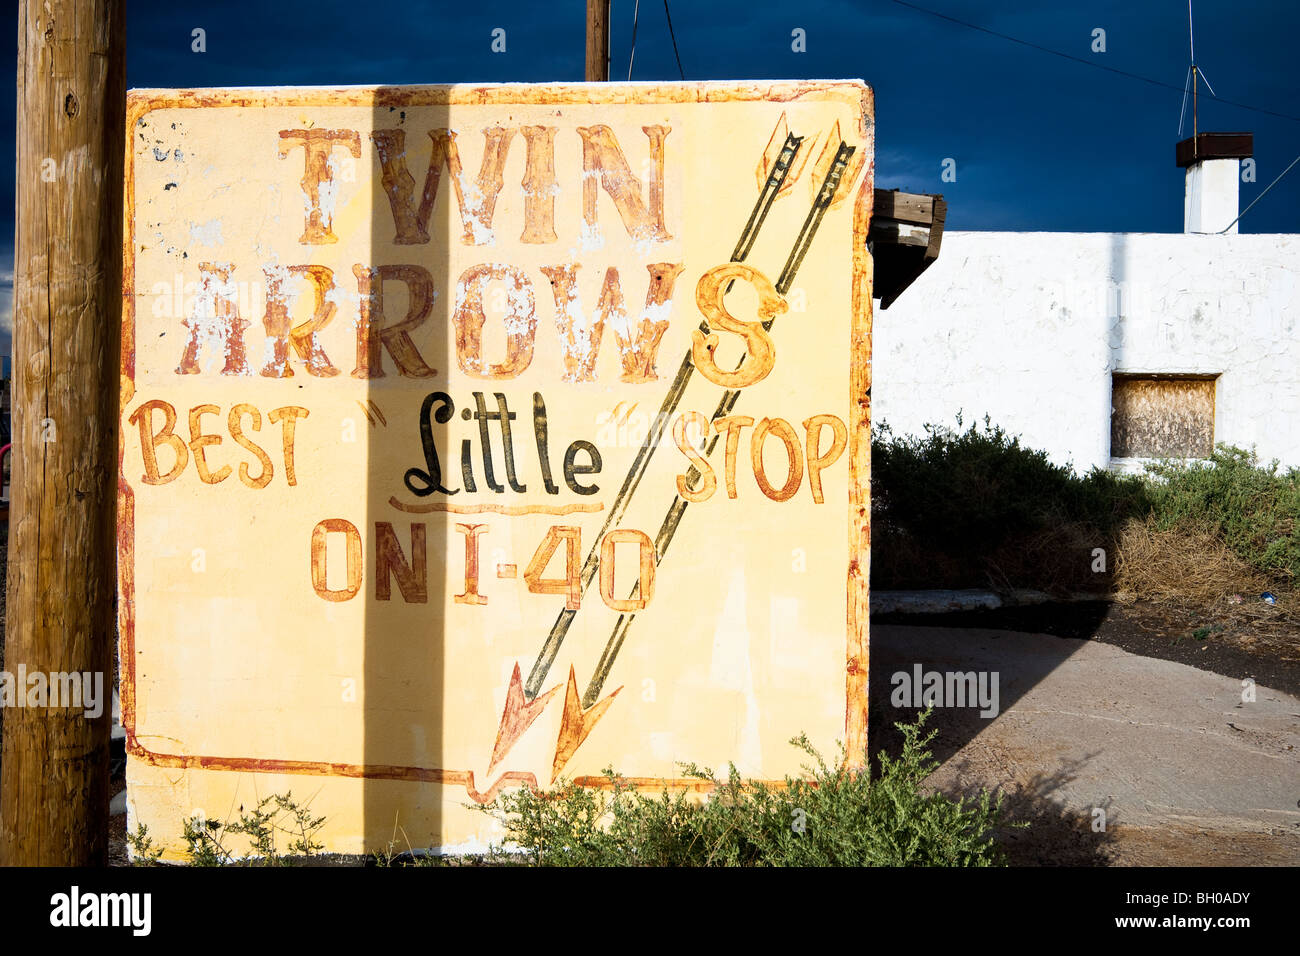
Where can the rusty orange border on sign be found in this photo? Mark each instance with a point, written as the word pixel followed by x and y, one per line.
pixel 140 102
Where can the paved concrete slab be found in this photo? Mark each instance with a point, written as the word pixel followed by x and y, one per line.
pixel 1084 725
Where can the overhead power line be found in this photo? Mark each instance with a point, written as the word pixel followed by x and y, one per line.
pixel 1260 196
pixel 636 12
pixel 674 38
pixel 1085 62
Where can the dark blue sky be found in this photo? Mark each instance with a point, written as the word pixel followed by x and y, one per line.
pixel 1040 142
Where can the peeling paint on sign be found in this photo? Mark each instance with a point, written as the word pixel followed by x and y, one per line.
pixel 469 437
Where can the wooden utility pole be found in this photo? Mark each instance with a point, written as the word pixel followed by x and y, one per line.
pixel 67 306
pixel 597 41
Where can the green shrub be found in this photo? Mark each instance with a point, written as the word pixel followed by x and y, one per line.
pixel 974 489
pixel 965 490
pixel 1255 509
pixel 974 507
pixel 207 840
pixel 836 817
pixel 144 852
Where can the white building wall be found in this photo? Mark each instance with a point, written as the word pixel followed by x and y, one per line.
pixel 1028 327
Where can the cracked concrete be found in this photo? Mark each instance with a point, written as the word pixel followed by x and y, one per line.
pixel 1158 747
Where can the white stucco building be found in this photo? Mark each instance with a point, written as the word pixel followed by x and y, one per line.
pixel 1042 330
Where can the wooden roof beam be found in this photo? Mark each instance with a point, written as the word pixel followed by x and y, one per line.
pixel 905 237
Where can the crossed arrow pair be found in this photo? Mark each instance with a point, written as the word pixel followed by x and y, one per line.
pixel 526 701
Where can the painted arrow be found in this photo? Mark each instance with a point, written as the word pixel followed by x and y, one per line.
pixel 581 715
pixel 831 186
pixel 551 647
pixel 517 717
pixel 576 723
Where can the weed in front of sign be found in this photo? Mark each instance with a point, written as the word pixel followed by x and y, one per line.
pixel 836 816
pixel 208 842
pixel 144 852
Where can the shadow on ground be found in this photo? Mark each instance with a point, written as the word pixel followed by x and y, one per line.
pixel 1104 752
pixel 1058 834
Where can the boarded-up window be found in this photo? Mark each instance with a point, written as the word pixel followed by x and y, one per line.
pixel 1162 416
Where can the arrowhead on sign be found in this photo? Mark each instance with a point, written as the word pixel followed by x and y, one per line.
pixel 576 723
pixel 517 717
pixel 822 168
pixel 773 150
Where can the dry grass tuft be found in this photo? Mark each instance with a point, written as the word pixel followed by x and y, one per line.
pixel 1192 566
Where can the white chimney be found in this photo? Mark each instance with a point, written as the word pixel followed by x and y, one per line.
pixel 1213 164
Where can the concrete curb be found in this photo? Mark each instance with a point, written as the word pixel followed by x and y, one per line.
pixel 971 599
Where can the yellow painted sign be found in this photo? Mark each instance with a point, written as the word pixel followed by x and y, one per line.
pixel 476 436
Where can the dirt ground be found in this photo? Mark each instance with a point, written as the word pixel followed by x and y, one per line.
pixel 1265 647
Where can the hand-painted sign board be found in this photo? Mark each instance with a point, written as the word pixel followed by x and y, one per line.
pixel 478 436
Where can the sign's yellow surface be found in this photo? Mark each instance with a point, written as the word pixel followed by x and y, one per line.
pixel 477 436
